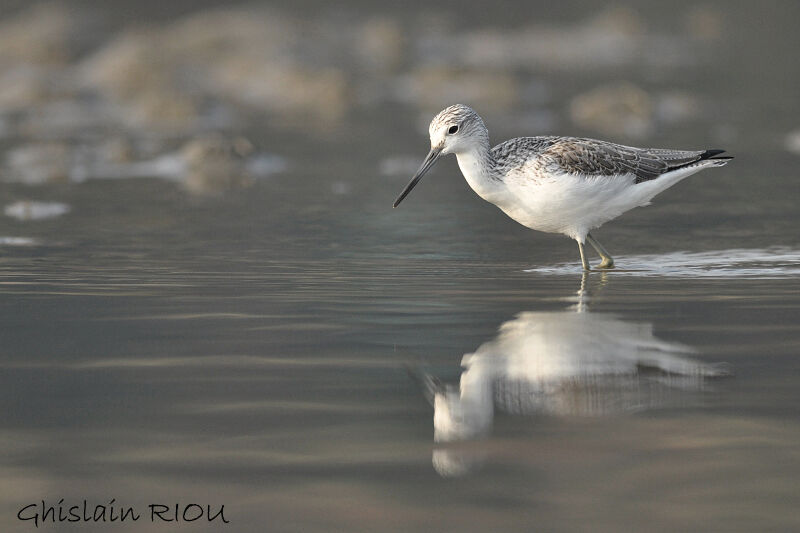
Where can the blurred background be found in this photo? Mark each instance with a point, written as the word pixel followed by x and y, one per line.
pixel 207 296
pixel 334 102
pixel 95 90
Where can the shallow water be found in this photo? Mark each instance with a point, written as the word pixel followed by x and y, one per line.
pixel 275 348
pixel 210 359
pixel 758 263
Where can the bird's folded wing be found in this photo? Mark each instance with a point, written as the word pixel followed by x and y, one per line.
pixel 589 157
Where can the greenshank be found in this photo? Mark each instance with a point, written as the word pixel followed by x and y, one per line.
pixel 554 184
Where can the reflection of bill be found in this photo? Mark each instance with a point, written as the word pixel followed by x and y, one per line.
pixel 559 363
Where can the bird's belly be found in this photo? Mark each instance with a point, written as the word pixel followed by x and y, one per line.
pixel 567 204
pixel 536 216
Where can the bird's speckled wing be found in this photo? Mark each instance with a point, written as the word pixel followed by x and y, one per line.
pixel 590 157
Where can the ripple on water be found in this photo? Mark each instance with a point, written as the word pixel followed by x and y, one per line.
pixel 17 241
pixel 775 262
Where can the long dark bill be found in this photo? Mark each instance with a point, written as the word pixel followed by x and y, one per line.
pixel 430 159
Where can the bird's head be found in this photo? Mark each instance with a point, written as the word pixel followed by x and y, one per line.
pixel 455 129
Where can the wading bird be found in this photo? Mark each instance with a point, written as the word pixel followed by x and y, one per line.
pixel 566 185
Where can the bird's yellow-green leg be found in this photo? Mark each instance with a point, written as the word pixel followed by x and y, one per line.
pixel 608 261
pixel 585 262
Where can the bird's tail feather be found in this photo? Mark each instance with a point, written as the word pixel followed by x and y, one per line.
pixel 707 158
pixel 714 155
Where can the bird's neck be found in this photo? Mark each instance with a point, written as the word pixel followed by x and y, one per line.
pixel 478 166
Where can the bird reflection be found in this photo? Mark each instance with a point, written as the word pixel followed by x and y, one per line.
pixel 564 363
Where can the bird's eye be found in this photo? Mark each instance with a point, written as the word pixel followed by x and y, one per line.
pixel 453 129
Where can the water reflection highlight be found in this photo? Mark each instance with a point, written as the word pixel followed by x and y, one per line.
pixel 763 263
pixel 562 363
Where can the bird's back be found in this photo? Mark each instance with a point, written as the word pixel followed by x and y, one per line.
pixel 553 155
pixel 571 185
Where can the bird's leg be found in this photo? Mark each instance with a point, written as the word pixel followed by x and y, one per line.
pixel 608 261
pixel 585 262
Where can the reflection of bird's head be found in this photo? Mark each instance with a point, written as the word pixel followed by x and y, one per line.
pixel 462 415
pixel 466 412
pixel 456 462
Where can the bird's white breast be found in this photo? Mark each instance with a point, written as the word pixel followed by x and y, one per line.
pixel 562 203
pixel 567 203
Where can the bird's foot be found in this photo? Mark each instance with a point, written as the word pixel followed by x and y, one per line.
pixel 606 263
